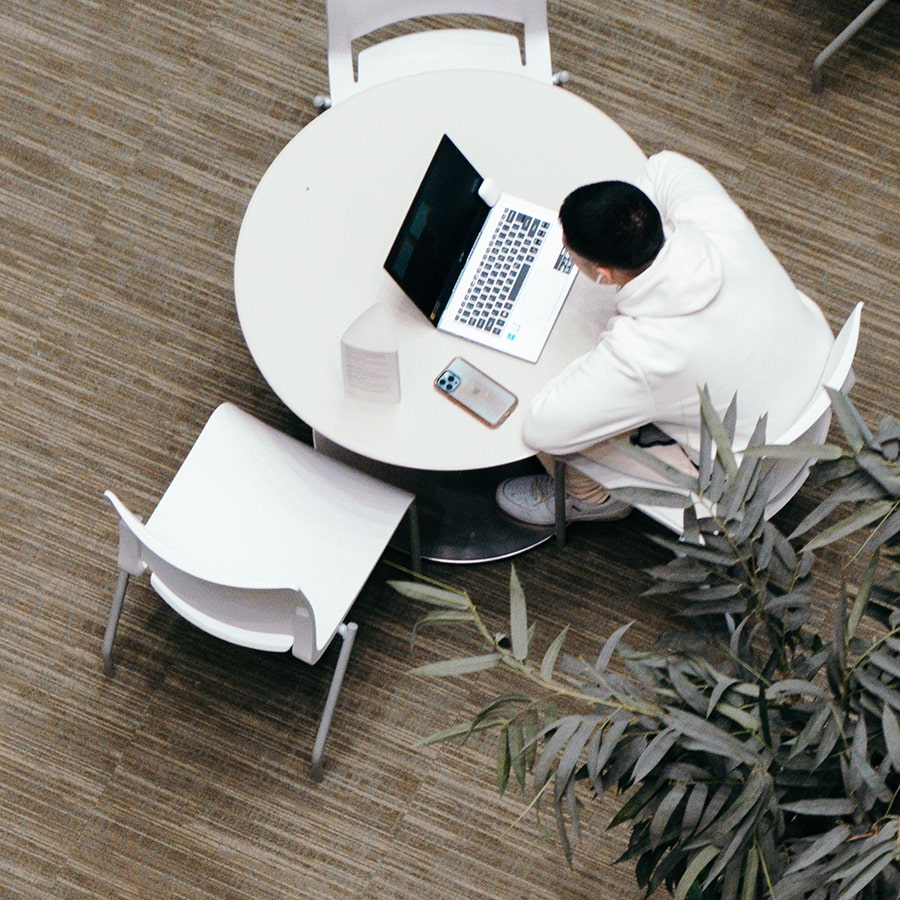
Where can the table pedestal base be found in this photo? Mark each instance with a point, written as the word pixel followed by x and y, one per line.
pixel 459 520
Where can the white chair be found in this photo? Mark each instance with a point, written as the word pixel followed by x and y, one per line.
pixel 811 427
pixel 262 542
pixel 434 49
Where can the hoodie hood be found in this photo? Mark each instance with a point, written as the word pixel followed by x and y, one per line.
pixel 684 278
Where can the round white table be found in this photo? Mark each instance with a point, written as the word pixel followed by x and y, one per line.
pixel 319 225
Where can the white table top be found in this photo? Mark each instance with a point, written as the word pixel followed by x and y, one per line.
pixel 318 228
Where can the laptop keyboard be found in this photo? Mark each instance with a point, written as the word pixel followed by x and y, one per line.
pixel 506 262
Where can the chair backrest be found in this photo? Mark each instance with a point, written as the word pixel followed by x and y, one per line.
pixel 349 20
pixel 247 611
pixel 810 427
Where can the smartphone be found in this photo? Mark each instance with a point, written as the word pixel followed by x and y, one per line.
pixel 476 392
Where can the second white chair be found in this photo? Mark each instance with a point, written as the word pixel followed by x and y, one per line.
pixel 810 427
pixel 264 543
pixel 433 49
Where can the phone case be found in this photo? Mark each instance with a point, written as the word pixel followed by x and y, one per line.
pixel 476 392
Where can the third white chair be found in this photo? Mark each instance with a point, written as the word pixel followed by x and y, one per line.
pixel 262 542
pixel 432 49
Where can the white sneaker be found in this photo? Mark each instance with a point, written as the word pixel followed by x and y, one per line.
pixel 531 499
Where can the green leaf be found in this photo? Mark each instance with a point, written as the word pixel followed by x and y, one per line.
pixel 676 477
pixel 751 870
pixel 885 531
pixel 823 807
pixel 877 688
pixel 795 687
pixel 442 617
pixel 548 664
pixel 694 869
pixel 694 809
pixel 820 848
pixel 863 593
pixel 518 617
pixel 654 754
pixel 811 730
pixel 746 720
pixel 797 451
pixel 890 728
pixel 502 760
pixel 714 740
pixel 516 756
pixel 462 666
pixel 665 811
pixel 562 730
pixel 609 647
pixel 427 593
pixel 568 761
pixel 457 731
pixel 851 524
pixel 852 889
pixel 723 685
pixel 756 787
pixel 645 496
pixel 720 436
pixel 633 808
pixel 848 418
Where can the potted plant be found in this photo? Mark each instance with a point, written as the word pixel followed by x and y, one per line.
pixel 758 756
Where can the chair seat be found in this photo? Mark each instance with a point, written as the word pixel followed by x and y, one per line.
pixel 247 509
pixel 456 48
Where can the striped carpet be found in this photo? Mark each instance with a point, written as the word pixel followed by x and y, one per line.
pixel 134 133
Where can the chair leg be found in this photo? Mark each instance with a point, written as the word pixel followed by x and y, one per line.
pixel 114 613
pixel 347 632
pixel 415 539
pixel 559 484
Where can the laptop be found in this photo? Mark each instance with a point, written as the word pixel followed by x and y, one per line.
pixel 480 263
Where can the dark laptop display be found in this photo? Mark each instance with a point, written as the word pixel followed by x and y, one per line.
pixel 439 230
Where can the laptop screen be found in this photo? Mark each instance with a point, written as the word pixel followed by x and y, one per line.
pixel 439 230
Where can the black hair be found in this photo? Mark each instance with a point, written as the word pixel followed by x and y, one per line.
pixel 612 223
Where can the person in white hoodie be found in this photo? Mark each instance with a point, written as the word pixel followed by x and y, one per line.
pixel 701 302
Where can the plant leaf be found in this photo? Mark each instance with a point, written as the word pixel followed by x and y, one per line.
pixel 850 524
pixel 427 593
pixel 665 811
pixel 516 742
pixel 462 666
pixel 609 647
pixel 518 617
pixel 548 664
pixel 571 755
pixel 676 477
pixel 830 807
pixel 562 730
pixel 502 760
pixel 820 848
pixel 890 728
pixel 442 617
pixel 692 872
pixel 462 730
pixel 654 754
pixel 848 418
pixel 719 434
pixel 851 890
pixel 797 451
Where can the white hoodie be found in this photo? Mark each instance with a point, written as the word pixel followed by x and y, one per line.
pixel 715 308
